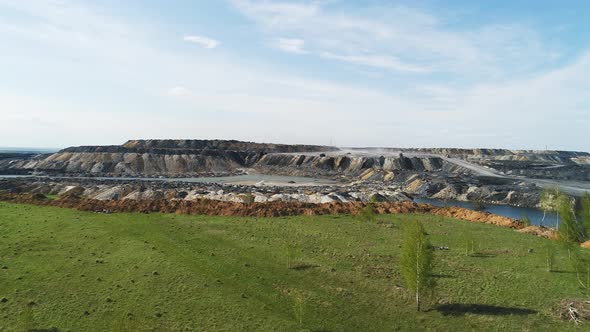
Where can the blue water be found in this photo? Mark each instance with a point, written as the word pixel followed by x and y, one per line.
pixel 535 215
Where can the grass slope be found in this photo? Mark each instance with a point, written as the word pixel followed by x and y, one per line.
pixel 80 271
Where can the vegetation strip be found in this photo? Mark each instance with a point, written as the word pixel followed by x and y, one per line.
pixel 63 269
pixel 268 209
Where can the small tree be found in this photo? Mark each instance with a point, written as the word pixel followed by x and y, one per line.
pixel 583 274
pixel 299 300
pixel 290 253
pixel 584 214
pixel 569 230
pixel 549 257
pixel 549 203
pixel 582 268
pixel 469 245
pixel 416 261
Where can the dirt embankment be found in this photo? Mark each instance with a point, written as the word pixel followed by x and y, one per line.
pixel 269 209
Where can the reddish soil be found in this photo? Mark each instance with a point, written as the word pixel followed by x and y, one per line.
pixel 540 231
pixel 269 209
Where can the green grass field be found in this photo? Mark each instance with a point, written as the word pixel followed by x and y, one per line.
pixel 78 271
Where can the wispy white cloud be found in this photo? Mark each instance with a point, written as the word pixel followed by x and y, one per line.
pixel 130 75
pixel 401 38
pixel 291 45
pixel 378 61
pixel 276 13
pixel 178 91
pixel 205 42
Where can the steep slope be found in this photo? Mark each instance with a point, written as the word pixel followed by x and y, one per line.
pixel 367 167
pixel 225 145
pixel 155 157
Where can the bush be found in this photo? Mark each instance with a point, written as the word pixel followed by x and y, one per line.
pixel 478 205
pixel 368 213
pixel 248 198
pixel 525 221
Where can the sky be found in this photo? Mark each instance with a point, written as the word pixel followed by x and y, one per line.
pixel 456 73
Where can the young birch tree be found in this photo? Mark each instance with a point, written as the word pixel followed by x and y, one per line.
pixel 569 231
pixel 585 215
pixel 549 203
pixel 416 261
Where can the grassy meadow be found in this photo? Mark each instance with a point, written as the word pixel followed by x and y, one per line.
pixel 66 270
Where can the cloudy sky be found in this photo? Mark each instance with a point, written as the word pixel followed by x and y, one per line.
pixel 511 74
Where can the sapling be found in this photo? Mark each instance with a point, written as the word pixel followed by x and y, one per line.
pixel 299 307
pixel 416 261
pixel 469 245
pixel 549 257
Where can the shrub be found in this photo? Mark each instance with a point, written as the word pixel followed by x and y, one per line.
pixel 368 212
pixel 478 205
pixel 248 198
pixel 525 221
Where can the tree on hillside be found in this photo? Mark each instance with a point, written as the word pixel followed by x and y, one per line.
pixel 584 214
pixel 582 267
pixel 569 231
pixel 549 203
pixel 416 261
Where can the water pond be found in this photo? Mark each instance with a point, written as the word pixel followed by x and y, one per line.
pixel 535 215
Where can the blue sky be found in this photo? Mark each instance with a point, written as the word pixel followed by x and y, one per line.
pixel 508 74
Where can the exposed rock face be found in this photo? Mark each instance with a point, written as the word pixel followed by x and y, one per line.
pixel 195 157
pixel 368 168
pixel 155 157
pixel 562 165
pixel 542 170
pixel 503 154
pixel 390 173
pixel 229 145
pixel 486 190
pixel 137 164
pixel 97 189
pixel 12 163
